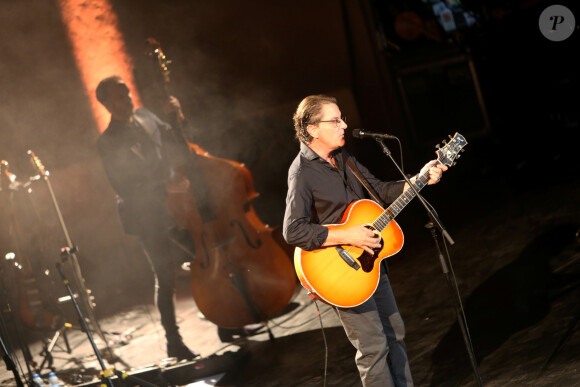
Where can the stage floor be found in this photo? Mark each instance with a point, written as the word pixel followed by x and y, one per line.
pixel 517 267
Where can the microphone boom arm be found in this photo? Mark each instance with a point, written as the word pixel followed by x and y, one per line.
pixel 360 133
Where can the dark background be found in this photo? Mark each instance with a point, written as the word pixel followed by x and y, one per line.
pixel 240 69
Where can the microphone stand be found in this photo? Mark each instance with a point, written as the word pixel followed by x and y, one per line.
pixel 10 365
pixel 106 374
pixel 82 320
pixel 5 351
pixel 71 250
pixel 435 225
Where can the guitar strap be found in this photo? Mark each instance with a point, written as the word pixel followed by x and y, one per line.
pixel 364 181
pixel 371 191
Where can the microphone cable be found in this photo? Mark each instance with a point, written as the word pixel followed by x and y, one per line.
pixel 280 325
pixel 323 337
pixel 401 153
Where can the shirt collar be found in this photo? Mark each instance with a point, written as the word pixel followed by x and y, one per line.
pixel 309 154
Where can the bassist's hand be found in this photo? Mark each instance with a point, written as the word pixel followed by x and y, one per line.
pixel 173 106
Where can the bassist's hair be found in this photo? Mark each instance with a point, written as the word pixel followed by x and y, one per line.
pixel 102 91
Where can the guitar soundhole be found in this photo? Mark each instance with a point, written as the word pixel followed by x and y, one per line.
pixel 367 261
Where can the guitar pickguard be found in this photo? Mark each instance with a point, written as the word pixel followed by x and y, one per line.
pixel 366 260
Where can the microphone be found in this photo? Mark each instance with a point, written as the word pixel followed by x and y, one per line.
pixel 360 133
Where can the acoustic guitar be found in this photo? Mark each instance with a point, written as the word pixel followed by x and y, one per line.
pixel 36 310
pixel 347 276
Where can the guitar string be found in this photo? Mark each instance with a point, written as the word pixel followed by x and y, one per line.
pixel 399 204
pixel 450 151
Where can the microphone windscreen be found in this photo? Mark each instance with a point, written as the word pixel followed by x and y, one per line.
pixel 356 133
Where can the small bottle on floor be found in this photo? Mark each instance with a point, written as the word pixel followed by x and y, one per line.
pixel 37 381
pixel 53 380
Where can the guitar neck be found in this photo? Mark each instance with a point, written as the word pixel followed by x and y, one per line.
pixel 401 202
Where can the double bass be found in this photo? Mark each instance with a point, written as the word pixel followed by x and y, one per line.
pixel 240 274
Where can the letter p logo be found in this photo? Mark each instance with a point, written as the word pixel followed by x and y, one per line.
pixel 557 20
pixel 557 23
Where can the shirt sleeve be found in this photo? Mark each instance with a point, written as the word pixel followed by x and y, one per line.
pixel 298 228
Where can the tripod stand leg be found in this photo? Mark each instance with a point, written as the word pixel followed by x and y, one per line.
pixel 47 351
pixel 65 338
pixel 49 347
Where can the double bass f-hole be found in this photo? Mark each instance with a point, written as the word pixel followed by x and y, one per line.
pixel 253 245
pixel 206 264
pixel 221 245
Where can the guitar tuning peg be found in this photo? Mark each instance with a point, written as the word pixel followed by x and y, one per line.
pixel 449 136
pixel 444 142
pixel 458 156
pixel 454 164
pixel 437 146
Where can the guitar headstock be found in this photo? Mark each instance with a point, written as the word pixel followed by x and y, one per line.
pixel 37 164
pixel 450 151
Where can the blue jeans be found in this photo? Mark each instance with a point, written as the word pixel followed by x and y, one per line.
pixel 376 329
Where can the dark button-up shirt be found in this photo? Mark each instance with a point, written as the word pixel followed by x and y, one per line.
pixel 134 159
pixel 319 193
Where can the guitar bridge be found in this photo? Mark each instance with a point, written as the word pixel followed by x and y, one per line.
pixel 350 261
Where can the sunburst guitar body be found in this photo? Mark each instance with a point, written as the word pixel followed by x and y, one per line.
pixel 332 276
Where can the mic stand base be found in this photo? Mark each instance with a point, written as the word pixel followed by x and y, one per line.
pixel 454 292
pixel 105 373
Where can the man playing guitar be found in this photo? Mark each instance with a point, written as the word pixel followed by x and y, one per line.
pixel 320 187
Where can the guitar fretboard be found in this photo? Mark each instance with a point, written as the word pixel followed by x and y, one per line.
pixel 397 206
pixel 445 156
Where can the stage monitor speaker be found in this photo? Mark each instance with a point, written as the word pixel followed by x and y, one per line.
pixel 441 98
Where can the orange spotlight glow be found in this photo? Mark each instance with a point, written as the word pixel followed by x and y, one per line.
pixel 99 49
